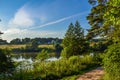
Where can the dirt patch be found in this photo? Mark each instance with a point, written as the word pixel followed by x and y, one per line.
pixel 95 74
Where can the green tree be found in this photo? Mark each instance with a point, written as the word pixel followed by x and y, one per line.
pixel 112 20
pixel 6 64
pixel 15 41
pixel 26 40
pixel 96 19
pixel 58 49
pixel 112 27
pixel 73 42
pixel 32 45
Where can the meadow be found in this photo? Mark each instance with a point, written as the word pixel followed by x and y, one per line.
pixel 12 46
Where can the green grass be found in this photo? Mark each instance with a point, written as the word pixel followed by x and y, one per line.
pixel 74 77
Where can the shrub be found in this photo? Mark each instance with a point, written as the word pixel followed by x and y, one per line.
pixel 64 67
pixel 112 62
pixel 6 63
pixel 42 55
pixel 97 58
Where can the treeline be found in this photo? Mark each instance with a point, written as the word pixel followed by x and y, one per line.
pixel 3 41
pixel 38 40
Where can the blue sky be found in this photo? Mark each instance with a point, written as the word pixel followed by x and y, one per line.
pixel 41 18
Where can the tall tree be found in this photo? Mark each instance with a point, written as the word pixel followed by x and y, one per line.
pixel 112 27
pixel 73 40
pixel 112 20
pixel 96 18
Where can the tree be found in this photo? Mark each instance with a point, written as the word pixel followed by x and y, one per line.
pixel 96 19
pixel 6 64
pixel 73 42
pixel 16 41
pixel 112 27
pixel 58 49
pixel 32 46
pixel 112 20
pixel 26 40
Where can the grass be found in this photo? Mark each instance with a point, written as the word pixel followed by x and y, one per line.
pixel 23 45
pixel 11 46
pixel 46 46
pixel 74 77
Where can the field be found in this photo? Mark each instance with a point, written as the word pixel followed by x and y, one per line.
pixel 20 46
pixel 11 46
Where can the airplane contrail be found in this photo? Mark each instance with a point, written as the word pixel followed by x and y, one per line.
pixel 59 20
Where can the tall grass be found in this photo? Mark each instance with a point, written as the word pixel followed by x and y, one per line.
pixel 59 69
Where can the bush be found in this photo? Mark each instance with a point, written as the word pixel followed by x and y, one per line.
pixel 54 70
pixel 6 63
pixel 63 67
pixel 42 55
pixel 97 58
pixel 112 62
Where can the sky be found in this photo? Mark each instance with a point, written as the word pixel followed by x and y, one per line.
pixel 41 18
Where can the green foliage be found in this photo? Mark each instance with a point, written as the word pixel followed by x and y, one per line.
pixel 64 67
pixel 29 40
pixel 15 41
pixel 42 55
pixel 96 19
pixel 23 71
pixel 6 64
pixel 32 46
pixel 105 19
pixel 74 77
pixel 112 62
pixel 112 21
pixel 22 75
pixel 73 42
pixel 59 69
pixel 99 47
pixel 97 58
pixel 58 49
pixel 66 52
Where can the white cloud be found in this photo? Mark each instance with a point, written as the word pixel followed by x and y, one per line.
pixel 21 19
pixel 19 33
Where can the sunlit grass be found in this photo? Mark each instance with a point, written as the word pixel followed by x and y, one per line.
pixel 11 46
pixel 23 45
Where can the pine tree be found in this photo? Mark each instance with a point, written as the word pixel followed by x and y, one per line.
pixel 73 42
pixel 78 39
pixel 69 35
pixel 96 18
pixel 67 42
